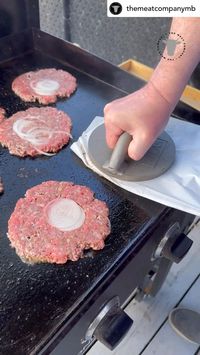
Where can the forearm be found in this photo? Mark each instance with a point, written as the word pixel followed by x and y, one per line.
pixel 171 76
pixel 145 113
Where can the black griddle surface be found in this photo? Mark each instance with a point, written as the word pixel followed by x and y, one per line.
pixel 35 299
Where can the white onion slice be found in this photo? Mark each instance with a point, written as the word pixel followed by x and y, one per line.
pixel 20 127
pixel 44 153
pixel 28 131
pixel 36 135
pixel 65 214
pixel 45 86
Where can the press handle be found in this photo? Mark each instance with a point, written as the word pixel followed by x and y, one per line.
pixel 120 151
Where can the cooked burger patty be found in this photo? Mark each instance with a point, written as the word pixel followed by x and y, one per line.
pixel 44 85
pixel 35 131
pixel 2 114
pixel 56 221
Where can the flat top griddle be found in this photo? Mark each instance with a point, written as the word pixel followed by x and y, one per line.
pixel 35 300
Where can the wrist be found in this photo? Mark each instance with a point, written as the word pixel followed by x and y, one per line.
pixel 156 95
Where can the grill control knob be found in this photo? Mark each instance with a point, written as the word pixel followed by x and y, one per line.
pixel 111 324
pixel 174 245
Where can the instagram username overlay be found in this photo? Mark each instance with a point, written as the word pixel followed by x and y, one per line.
pixel 153 8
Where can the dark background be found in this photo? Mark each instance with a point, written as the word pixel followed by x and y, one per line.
pixel 85 22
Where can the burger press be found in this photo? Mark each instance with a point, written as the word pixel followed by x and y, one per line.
pixel 118 164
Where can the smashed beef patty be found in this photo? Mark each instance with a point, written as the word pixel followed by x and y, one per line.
pixel 44 86
pixel 41 230
pixel 35 131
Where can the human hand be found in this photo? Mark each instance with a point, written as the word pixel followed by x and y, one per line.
pixel 143 114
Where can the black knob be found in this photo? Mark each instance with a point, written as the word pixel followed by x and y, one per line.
pixel 174 245
pixel 110 325
pixel 113 327
pixel 175 250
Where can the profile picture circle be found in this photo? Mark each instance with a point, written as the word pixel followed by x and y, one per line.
pixel 115 8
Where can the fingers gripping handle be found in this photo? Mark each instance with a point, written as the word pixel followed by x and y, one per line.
pixel 120 151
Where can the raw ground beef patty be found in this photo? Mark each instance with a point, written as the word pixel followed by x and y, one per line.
pixel 44 85
pixel 35 131
pixel 42 226
pixel 2 114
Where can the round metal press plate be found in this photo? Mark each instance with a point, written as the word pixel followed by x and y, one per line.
pixel 156 161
